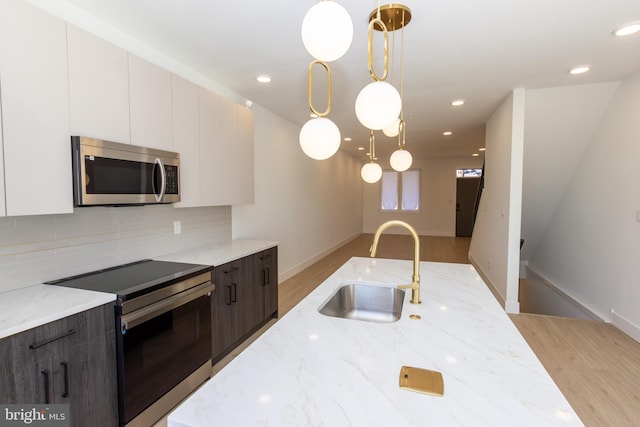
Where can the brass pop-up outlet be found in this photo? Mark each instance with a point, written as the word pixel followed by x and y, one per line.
pixel 421 381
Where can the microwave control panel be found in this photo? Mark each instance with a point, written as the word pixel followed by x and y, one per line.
pixel 171 173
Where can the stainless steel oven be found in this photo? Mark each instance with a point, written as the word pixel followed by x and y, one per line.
pixel 163 313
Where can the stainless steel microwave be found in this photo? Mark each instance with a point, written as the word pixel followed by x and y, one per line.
pixel 111 174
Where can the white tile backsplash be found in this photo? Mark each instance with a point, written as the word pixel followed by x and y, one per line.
pixel 36 249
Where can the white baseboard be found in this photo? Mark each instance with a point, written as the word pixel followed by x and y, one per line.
pixel 512 307
pixel 307 263
pixel 625 325
pixel 565 297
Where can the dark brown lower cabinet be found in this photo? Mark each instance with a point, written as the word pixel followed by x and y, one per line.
pixel 246 297
pixel 70 361
pixel 266 270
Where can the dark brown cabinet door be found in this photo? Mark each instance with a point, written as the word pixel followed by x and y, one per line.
pixel 84 378
pixel 250 296
pixel 28 384
pixel 267 277
pixel 70 361
pixel 224 315
pixel 246 295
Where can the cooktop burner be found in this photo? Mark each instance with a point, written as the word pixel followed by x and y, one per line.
pixel 134 279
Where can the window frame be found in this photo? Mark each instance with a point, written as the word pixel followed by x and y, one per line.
pixel 399 192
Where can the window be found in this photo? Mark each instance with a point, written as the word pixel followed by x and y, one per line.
pixel 468 173
pixel 401 191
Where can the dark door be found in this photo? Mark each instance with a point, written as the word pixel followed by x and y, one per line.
pixel 466 192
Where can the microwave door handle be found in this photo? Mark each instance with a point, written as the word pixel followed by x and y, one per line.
pixel 163 185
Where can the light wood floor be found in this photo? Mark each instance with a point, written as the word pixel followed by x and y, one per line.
pixel 596 366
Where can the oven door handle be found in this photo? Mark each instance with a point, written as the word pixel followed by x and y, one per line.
pixel 140 316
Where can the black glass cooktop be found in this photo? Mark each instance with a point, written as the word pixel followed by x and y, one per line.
pixel 131 280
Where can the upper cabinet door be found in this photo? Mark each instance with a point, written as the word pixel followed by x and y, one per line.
pixel 207 137
pixel 98 87
pixel 186 140
pixel 218 154
pixel 3 210
pixel 226 151
pixel 35 108
pixel 246 163
pixel 150 103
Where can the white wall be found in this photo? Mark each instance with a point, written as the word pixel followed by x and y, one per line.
pixel 308 206
pixel 494 248
pixel 34 249
pixel 591 246
pixel 437 215
pixel 559 124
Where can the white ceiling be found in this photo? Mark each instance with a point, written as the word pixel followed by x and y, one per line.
pixel 476 50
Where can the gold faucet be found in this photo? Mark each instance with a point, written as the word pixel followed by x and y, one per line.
pixel 415 280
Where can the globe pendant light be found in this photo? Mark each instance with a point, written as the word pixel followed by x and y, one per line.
pixel 378 104
pixel 319 137
pixel 401 159
pixel 327 31
pixel 392 129
pixel 371 172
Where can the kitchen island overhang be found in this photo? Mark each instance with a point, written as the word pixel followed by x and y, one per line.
pixel 311 369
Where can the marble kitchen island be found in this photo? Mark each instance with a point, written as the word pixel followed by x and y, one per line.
pixel 313 370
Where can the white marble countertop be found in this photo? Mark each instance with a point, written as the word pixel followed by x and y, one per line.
pixel 26 308
pixel 313 370
pixel 218 254
pixel 32 306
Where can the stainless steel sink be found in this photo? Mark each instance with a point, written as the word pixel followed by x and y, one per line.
pixel 365 302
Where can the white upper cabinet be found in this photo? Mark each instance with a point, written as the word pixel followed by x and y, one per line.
pixel 246 164
pixel 3 210
pixel 150 104
pixel 216 157
pixel 98 87
pixel 226 151
pixel 35 111
pixel 186 140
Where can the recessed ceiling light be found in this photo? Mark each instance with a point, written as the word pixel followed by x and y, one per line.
pixel 482 149
pixel 447 133
pixel 457 102
pixel 475 154
pixel 360 148
pixel 263 78
pixel 347 139
pixel 627 30
pixel 579 70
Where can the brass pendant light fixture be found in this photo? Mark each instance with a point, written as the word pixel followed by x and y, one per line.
pixel 319 137
pixel 397 16
pixel 327 32
pixel 379 105
pixel 371 172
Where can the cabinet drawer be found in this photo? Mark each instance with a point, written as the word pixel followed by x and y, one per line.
pixel 38 343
